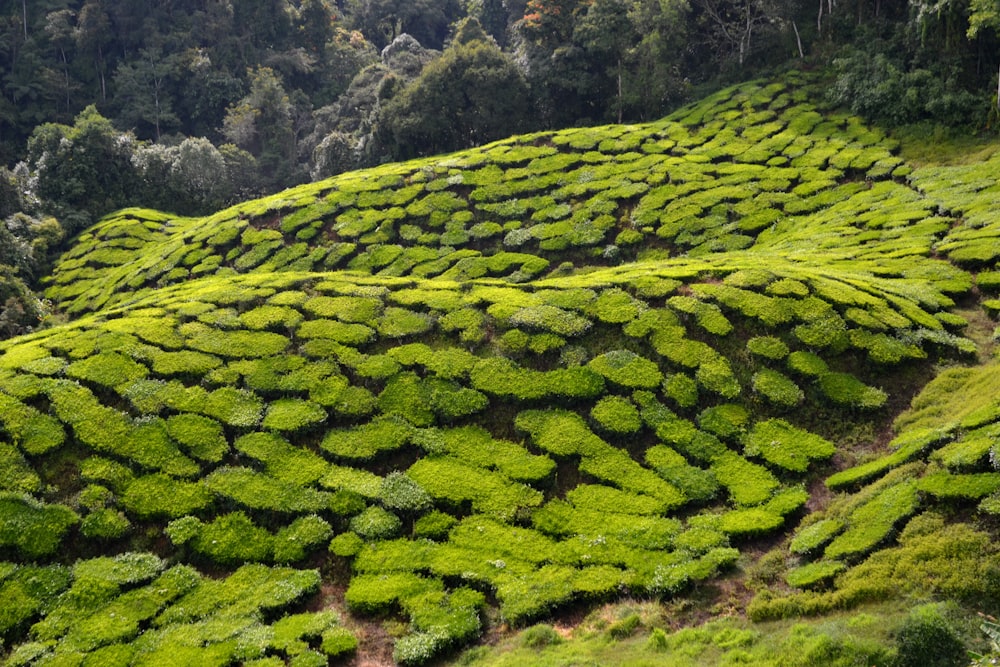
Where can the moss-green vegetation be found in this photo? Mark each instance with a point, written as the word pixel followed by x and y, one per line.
pixel 553 370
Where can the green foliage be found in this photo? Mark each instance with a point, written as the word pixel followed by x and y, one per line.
pixel 627 369
pixel 786 446
pixel 872 522
pixel 810 538
pixel 616 415
pixel 291 414
pixel 845 389
pixel 813 574
pixel 776 388
pixel 768 347
pixel 366 441
pixel 33 528
pixel 158 495
pixel 927 638
pixel 501 377
pixel 375 523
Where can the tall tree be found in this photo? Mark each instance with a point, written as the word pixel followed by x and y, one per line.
pixel 263 124
pixel 143 92
pixel 427 21
pixel 83 171
pixel 470 95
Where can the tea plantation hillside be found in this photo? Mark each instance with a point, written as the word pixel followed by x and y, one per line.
pixel 386 416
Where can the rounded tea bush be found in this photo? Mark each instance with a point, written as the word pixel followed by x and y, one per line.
pixel 293 414
pixel 376 523
pixel 616 415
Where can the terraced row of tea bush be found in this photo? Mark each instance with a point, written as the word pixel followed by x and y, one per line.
pixel 741 170
pixel 347 379
pixel 886 532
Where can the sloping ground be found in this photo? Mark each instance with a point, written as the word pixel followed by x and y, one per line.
pixel 480 388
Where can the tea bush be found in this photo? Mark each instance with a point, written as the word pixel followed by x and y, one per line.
pixel 786 446
pixel 258 491
pixel 292 414
pixel 776 388
pixel 616 415
pixel 627 369
pixel 31 527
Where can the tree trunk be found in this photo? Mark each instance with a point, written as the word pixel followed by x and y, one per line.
pixel 24 17
pixel 619 90
pixel 819 19
pixel 798 40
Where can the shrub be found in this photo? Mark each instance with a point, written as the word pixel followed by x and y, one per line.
pixel 346 545
pixel 784 445
pixel 341 332
pixel 502 377
pixel 627 369
pixel 108 369
pixel 682 389
pixel 233 538
pixel 616 415
pixel 236 407
pixel 552 319
pixel 376 523
pixel 34 528
pixel 872 522
pixel 357 309
pixel 927 639
pixel 294 542
pixel 726 421
pixel 807 363
pixel 810 538
pixel 353 482
pixel 281 459
pixel 814 574
pixel 34 432
pixel 400 322
pixel 776 388
pixel 845 389
pixel 477 446
pixel 616 306
pixel 401 492
pixel 200 436
pixel 768 347
pixel 185 363
pixel 293 414
pixel 105 524
pixel 15 473
pixel 695 483
pixel 434 525
pixel 747 483
pixel 707 315
pixel 262 492
pixel 539 636
pixel 158 495
pixel 239 344
pixel 947 486
pixel 384 433
pixel 488 492
pixel 716 376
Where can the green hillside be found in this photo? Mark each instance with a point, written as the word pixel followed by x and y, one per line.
pixel 411 409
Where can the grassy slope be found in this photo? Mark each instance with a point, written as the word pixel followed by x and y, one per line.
pixel 654 361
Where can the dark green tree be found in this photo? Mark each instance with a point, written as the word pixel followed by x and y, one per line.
pixel 470 95
pixel 427 21
pixel 262 123
pixel 83 171
pixel 144 92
